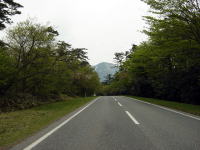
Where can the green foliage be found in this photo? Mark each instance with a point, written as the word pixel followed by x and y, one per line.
pixel 33 62
pixel 6 69
pixel 167 66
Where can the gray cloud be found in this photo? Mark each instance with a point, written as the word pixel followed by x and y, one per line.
pixel 102 26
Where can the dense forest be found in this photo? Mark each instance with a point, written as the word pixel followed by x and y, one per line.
pixel 35 67
pixel 167 66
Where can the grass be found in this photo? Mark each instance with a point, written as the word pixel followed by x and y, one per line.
pixel 193 109
pixel 16 126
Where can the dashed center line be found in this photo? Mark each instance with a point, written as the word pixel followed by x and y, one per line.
pixel 119 104
pixel 132 118
pixel 115 99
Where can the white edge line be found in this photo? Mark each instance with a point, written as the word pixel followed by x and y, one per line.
pixel 132 118
pixel 56 128
pixel 162 107
pixel 119 104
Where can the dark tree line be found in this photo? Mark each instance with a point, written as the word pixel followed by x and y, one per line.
pixel 167 66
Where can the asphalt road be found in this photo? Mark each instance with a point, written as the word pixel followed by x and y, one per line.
pixel 119 123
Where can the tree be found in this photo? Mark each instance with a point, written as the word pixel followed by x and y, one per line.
pixel 119 58
pixel 31 47
pixel 180 14
pixel 176 36
pixel 35 67
pixel 108 79
pixel 6 70
pixel 8 8
pixel 167 65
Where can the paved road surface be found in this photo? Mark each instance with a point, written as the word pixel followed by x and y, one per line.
pixel 119 123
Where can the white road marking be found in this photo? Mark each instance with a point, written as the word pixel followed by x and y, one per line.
pixel 56 128
pixel 115 99
pixel 162 107
pixel 119 104
pixel 132 118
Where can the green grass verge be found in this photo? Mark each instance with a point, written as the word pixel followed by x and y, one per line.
pixel 15 126
pixel 193 109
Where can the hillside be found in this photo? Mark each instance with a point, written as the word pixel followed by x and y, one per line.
pixel 104 68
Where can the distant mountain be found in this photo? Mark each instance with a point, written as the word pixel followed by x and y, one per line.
pixel 104 68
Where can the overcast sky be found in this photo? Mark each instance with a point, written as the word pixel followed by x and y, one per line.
pixel 102 26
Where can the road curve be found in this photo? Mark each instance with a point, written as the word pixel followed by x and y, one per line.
pixel 118 123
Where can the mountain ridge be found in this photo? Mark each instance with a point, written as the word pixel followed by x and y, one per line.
pixel 105 68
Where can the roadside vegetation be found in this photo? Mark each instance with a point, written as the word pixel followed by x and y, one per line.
pixel 41 77
pixel 36 67
pixel 189 108
pixel 167 66
pixel 17 125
